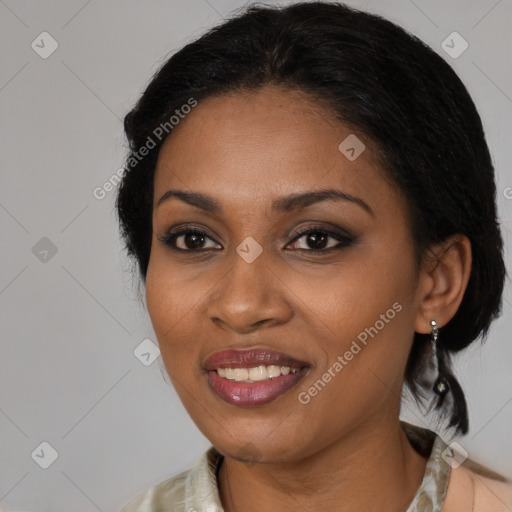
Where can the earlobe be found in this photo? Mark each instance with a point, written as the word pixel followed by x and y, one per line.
pixel 447 275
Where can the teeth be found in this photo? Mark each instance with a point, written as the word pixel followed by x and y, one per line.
pixel 255 374
pixel 258 373
pixel 240 374
pixel 274 371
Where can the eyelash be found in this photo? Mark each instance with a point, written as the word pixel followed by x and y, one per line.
pixel 345 240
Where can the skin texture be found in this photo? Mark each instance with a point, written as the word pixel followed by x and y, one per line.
pixel 345 449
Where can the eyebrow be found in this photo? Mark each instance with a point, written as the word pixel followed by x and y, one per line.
pixel 282 204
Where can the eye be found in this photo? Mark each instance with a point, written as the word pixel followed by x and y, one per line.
pixel 187 239
pixel 316 240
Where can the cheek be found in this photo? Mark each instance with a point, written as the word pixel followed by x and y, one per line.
pixel 353 295
pixel 362 373
pixel 172 306
pixel 365 317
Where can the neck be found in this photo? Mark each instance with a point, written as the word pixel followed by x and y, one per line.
pixel 374 468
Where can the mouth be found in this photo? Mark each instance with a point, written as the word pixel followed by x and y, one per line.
pixel 253 377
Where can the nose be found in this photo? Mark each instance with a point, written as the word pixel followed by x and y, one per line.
pixel 250 295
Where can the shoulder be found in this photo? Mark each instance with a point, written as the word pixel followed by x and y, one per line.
pixel 192 489
pixel 161 497
pixel 493 492
pixel 474 487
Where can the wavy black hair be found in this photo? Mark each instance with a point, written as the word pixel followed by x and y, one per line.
pixel 373 76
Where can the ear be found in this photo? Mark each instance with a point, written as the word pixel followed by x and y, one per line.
pixel 444 278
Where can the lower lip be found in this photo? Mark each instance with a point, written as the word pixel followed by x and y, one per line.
pixel 250 394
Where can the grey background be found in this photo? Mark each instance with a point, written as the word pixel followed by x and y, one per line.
pixel 69 325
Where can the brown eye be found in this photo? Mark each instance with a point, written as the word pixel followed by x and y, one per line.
pixel 187 240
pixel 321 240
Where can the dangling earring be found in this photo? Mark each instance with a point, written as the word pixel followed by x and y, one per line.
pixel 441 386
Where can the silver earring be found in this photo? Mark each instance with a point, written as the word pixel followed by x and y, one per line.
pixel 441 385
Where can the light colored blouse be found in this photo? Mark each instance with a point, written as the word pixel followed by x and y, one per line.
pixel 195 490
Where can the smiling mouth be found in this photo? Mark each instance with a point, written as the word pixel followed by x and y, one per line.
pixel 252 377
pixel 249 393
pixel 256 373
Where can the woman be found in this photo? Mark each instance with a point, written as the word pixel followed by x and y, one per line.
pixel 310 202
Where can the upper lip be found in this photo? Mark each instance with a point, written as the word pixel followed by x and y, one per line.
pixel 248 358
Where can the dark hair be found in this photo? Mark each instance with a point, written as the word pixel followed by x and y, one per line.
pixel 376 77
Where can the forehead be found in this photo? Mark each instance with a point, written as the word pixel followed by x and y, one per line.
pixel 265 143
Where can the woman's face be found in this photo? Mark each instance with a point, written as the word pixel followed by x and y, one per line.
pixel 344 314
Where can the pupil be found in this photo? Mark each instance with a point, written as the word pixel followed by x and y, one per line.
pixel 194 239
pixel 317 240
